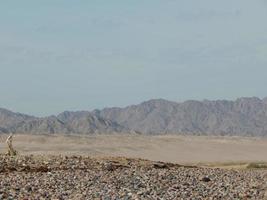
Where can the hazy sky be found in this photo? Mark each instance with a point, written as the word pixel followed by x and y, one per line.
pixel 58 55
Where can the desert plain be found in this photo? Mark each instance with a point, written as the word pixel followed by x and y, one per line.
pixel 167 148
pixel 133 167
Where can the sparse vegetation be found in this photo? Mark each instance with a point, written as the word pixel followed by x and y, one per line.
pixel 235 165
pixel 257 166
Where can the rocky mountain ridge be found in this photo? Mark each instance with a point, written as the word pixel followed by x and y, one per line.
pixel 243 117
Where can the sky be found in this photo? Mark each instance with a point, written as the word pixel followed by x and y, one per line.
pixel 58 55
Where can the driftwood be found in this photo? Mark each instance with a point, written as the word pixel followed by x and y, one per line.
pixel 11 151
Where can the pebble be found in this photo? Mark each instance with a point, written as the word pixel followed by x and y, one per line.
pixel 75 177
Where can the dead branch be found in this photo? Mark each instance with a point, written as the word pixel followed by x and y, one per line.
pixel 11 151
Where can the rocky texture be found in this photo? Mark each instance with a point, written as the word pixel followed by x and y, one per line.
pixel 243 117
pixel 3 130
pixel 65 123
pixel 10 119
pixel 41 126
pixel 85 122
pixel 58 177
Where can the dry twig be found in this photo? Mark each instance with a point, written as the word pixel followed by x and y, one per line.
pixel 11 151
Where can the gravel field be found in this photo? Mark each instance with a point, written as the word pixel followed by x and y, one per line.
pixel 80 177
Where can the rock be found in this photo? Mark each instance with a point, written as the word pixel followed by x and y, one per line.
pixel 108 178
pixel 206 179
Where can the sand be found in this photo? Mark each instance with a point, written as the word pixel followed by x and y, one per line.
pixel 169 148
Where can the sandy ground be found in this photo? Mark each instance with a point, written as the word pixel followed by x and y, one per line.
pixel 177 149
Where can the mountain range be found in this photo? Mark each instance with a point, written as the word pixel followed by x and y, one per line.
pixel 242 117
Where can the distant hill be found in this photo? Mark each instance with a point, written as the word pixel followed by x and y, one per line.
pixel 243 117
pixel 9 119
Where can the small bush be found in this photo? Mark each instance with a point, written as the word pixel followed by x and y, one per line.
pixel 257 166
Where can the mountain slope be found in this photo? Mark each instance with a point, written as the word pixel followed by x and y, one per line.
pixel 85 122
pixel 64 123
pixel 243 117
pixel 9 119
pixel 48 125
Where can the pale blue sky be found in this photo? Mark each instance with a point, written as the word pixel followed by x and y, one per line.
pixel 58 55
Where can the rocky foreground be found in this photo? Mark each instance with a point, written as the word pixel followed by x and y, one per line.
pixel 62 177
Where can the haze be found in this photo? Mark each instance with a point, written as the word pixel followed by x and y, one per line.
pixel 80 55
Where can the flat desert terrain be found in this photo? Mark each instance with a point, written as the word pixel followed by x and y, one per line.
pixel 175 149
